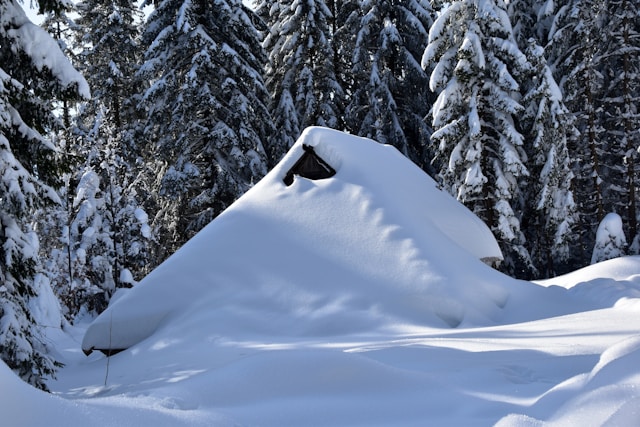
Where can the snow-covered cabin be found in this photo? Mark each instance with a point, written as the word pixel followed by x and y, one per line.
pixel 373 235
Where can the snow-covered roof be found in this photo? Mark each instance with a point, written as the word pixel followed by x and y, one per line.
pixel 374 245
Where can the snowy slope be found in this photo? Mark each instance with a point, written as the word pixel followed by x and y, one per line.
pixel 363 250
pixel 577 369
pixel 331 304
pixel 574 370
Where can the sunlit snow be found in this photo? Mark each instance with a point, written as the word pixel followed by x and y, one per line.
pixel 43 50
pixel 348 301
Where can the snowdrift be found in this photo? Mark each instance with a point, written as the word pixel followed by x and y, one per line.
pixel 377 247
pixel 571 370
pixel 606 396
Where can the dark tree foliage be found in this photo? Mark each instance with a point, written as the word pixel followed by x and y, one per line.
pixel 548 209
pixel 389 95
pixel 589 47
pixel 108 32
pixel 206 122
pixel 301 71
pixel 620 68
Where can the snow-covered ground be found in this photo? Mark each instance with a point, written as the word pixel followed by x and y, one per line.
pixel 357 300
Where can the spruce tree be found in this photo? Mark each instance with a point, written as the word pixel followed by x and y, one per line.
pixel 60 24
pixel 550 212
pixel 107 33
pixel 476 70
pixel 206 121
pixel 33 75
pixel 531 19
pixel 344 41
pixel 110 56
pixel 594 56
pixel 91 249
pixel 389 97
pixel 620 67
pixel 91 279
pixel 300 74
pixel 574 59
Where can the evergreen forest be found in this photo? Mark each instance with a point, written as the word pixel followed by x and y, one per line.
pixel 125 128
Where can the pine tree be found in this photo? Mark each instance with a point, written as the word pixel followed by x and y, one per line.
pixel 108 33
pixel 477 70
pixel 94 254
pixel 620 67
pixel 110 55
pixel 61 26
pixel 206 117
pixel 89 245
pixel 300 74
pixel 594 55
pixel 550 211
pixel 389 98
pixel 33 74
pixel 574 57
pixel 344 42
pixel 531 19
pixel 87 262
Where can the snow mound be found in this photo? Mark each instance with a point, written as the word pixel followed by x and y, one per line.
pixel 610 240
pixel 606 396
pixel 19 400
pixel 375 248
pixel 611 282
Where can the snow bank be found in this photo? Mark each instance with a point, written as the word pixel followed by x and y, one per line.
pixel 568 370
pixel 23 405
pixel 607 283
pixel 19 400
pixel 377 247
pixel 608 395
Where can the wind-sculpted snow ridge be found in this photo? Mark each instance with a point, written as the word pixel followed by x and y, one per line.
pixel 375 248
pixel 606 396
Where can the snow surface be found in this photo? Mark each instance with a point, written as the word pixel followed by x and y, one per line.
pixel 325 304
pixel 335 255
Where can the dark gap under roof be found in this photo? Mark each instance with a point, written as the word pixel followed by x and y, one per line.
pixel 310 166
